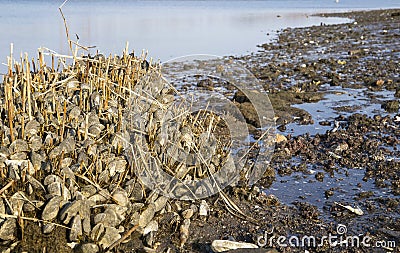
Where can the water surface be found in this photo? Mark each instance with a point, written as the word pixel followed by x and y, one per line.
pixel 166 28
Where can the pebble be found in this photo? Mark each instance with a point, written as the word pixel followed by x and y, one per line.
pixel 147 215
pixel 32 128
pixel 76 229
pixel 204 208
pixel 121 197
pixel 160 203
pixel 225 245
pixel 134 190
pixel 188 213
pixel 151 227
pixel 52 208
pixel 48 228
pixel 8 229
pixel 184 231
pixel 111 235
pixel 97 232
pixel 18 146
pixel 70 210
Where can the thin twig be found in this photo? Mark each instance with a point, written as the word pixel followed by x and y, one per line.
pixel 66 31
pixel 8 185
pixel 32 219
pixel 126 235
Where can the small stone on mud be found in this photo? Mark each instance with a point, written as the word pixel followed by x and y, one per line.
pixel 48 228
pixel 151 227
pixel 329 193
pixel 225 245
pixel 188 213
pixel 204 208
pixel 160 203
pixel 76 229
pixel 147 215
pixel 184 232
pixel 52 208
pixel 8 229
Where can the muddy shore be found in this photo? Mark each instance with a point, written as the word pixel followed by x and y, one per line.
pixel 304 66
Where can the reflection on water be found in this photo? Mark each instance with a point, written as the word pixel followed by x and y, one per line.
pixel 166 28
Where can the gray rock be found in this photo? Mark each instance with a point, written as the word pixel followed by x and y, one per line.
pixel 17 201
pixel 97 232
pixel 66 162
pixel 118 165
pixel 32 127
pixel 135 191
pixel 160 203
pixel 52 208
pixel 147 215
pixel 19 146
pixel 99 198
pixel 149 239
pixel 104 177
pixel 86 226
pixel 8 229
pixel 111 235
pixel 121 197
pixel 4 153
pixel 2 209
pixel 74 113
pixel 55 189
pixel 19 156
pixel 96 129
pixel 110 217
pixel 13 172
pixel 134 218
pixel 35 183
pixel 48 228
pixel 88 190
pixel 29 207
pixel 51 179
pixel 59 189
pixel 135 207
pixel 76 229
pixel 151 227
pixel 67 173
pixel 37 160
pixel 70 210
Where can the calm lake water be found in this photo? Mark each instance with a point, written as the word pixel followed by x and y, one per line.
pixel 167 29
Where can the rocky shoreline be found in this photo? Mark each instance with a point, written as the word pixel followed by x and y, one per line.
pixel 300 67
